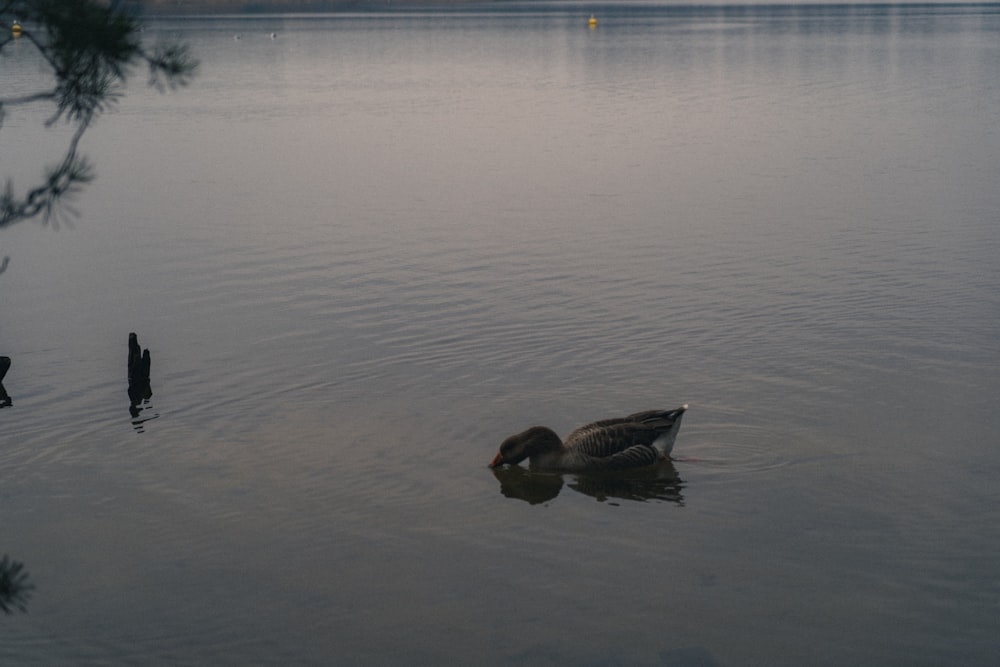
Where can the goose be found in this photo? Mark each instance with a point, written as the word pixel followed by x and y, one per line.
pixel 637 440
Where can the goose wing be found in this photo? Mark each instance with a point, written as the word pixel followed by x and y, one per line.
pixel 659 419
pixel 590 430
pixel 637 456
pixel 617 441
pixel 639 425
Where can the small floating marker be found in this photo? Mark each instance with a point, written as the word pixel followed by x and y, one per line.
pixel 592 22
pixel 15 29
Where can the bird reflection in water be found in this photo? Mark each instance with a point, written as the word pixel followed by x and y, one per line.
pixel 15 590
pixel 139 389
pixel 659 482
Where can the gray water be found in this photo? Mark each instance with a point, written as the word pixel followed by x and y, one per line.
pixel 365 251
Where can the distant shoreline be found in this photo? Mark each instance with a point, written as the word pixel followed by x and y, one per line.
pixel 206 7
pixel 202 7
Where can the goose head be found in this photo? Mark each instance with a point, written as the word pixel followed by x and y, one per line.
pixel 533 442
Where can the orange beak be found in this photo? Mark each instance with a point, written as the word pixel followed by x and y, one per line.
pixel 497 460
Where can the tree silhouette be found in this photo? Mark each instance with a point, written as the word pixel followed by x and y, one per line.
pixel 90 48
pixel 15 590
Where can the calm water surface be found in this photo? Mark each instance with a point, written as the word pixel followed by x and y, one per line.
pixel 365 251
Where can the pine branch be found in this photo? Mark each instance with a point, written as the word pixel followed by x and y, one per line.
pixel 90 47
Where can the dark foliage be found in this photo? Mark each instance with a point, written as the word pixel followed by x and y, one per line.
pixel 14 587
pixel 90 48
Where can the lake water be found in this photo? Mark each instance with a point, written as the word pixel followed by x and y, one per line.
pixel 365 251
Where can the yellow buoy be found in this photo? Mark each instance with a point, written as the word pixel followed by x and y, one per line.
pixel 592 22
pixel 15 29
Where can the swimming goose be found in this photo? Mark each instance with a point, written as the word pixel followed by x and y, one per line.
pixel 635 441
